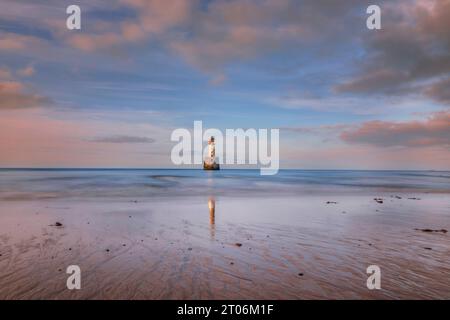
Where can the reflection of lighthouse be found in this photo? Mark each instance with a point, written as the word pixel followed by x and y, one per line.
pixel 210 161
pixel 212 210
pixel 212 216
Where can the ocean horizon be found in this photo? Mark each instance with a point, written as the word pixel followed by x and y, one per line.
pixel 105 182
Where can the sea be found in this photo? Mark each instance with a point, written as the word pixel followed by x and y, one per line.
pixel 23 184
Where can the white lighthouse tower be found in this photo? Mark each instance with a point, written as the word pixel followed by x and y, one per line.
pixel 210 161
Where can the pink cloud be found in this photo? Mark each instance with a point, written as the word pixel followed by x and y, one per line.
pixel 435 131
pixel 154 17
pixel 157 16
pixel 5 74
pixel 27 71
pixel 15 42
pixel 231 31
pixel 93 42
pixel 13 96
pixel 439 90
pixel 215 34
pixel 132 31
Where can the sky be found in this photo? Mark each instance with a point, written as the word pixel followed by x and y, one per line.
pixel 110 94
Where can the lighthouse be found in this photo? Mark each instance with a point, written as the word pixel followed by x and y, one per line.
pixel 210 161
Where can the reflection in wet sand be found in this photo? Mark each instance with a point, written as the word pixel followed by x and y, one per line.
pixel 290 248
pixel 212 216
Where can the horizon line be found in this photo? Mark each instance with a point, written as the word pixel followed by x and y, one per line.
pixel 162 168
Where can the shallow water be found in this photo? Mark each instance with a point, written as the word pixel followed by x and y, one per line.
pixel 153 234
pixel 94 183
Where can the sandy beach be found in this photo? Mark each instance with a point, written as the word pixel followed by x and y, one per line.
pixel 218 245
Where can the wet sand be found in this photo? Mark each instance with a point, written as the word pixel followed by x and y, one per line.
pixel 306 246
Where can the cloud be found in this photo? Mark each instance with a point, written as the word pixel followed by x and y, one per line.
pixel 232 31
pixel 5 74
pixel 212 52
pixel 411 51
pixel 211 35
pixel 122 139
pixel 218 79
pixel 435 131
pixel 153 18
pixel 158 16
pixel 214 35
pixel 382 80
pixel 439 90
pixel 324 104
pixel 14 96
pixel 16 42
pixel 93 42
pixel 323 129
pixel 385 105
pixel 27 71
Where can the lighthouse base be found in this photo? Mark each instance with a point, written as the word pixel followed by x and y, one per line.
pixel 211 166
